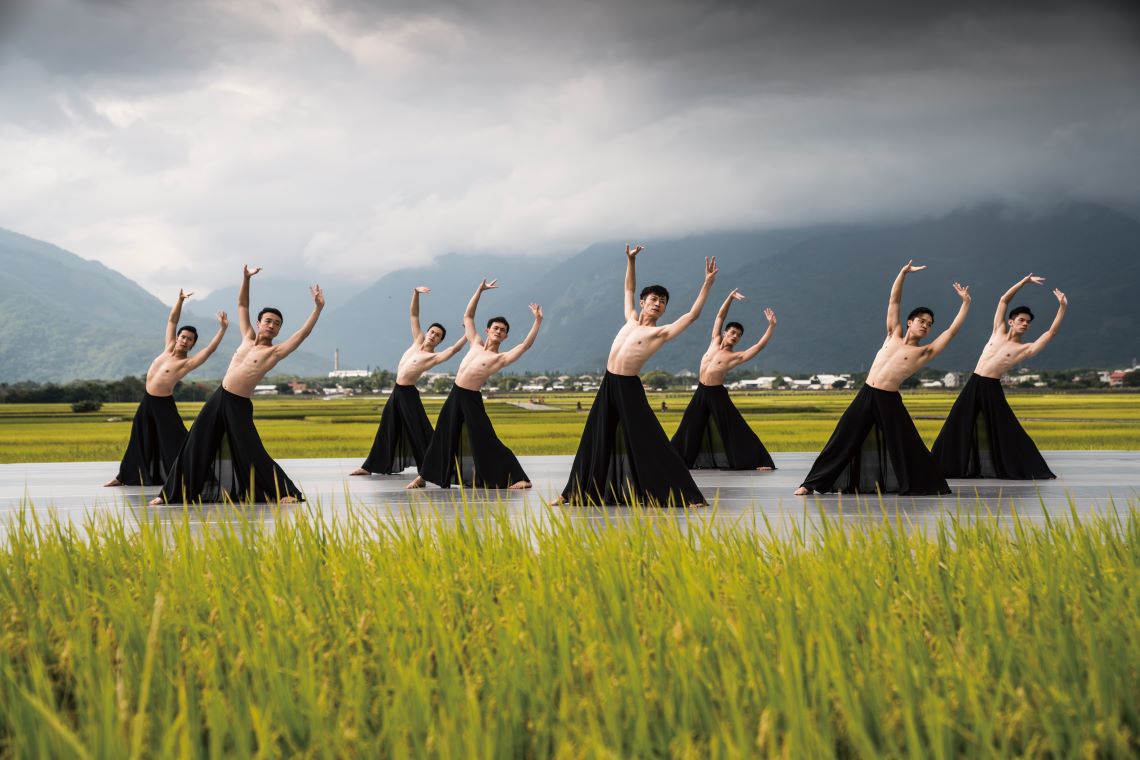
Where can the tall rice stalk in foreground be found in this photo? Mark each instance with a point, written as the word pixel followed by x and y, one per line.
pixel 481 635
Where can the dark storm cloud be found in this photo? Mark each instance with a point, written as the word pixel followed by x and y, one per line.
pixel 326 130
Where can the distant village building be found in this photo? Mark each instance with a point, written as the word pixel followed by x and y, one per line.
pixel 952 379
pixel 265 390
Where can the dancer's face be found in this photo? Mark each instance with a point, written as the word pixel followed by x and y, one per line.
pixel 497 332
pixel 185 341
pixel 1019 324
pixel 654 305
pixel 920 325
pixel 432 337
pixel 269 325
pixel 732 336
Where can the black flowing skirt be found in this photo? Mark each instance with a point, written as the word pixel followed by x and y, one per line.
pixel 403 435
pixel 624 455
pixel 982 438
pixel 464 447
pixel 876 446
pixel 223 458
pixel 157 433
pixel 714 435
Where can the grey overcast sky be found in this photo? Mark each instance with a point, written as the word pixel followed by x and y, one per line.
pixel 335 141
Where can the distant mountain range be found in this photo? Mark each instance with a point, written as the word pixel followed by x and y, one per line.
pixel 64 317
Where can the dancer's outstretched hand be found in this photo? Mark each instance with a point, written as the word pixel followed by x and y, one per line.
pixel 771 315
pixel 910 267
pixel 1034 279
pixel 421 289
pixel 536 310
pixel 710 268
pixel 250 272
pixel 1061 297
pixel 318 296
pixel 963 292
pixel 736 295
pixel 631 253
pixel 488 285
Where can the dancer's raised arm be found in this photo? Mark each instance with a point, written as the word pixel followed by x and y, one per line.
pixel 1003 302
pixel 750 353
pixel 469 329
pixel 516 353
pixel 414 312
pixel 1036 346
pixel 244 324
pixel 722 314
pixel 939 344
pixel 671 331
pixel 198 359
pixel 894 324
pixel 631 281
pixel 175 315
pixel 293 342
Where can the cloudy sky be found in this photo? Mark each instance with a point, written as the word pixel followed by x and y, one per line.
pixel 338 140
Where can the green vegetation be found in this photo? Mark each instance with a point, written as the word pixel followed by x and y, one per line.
pixel 483 635
pixel 785 421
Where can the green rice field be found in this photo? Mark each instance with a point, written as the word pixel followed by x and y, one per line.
pixel 303 428
pixel 479 635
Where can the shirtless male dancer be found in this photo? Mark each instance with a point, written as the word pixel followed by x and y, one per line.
pixel 464 446
pixel 981 437
pixel 223 455
pixel 157 431
pixel 875 444
pixel 713 433
pixel 624 455
pixel 405 431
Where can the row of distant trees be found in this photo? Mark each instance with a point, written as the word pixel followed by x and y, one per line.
pixel 131 388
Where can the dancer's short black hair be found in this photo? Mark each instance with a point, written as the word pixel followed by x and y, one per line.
pixel 442 329
pixel 737 325
pixel 270 310
pixel 920 310
pixel 1020 310
pixel 493 320
pixel 656 290
pixel 188 328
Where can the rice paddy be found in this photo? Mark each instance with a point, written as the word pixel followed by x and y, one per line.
pixel 482 636
pixel 315 428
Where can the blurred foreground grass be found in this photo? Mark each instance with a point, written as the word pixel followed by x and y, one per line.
pixel 304 428
pixel 478 635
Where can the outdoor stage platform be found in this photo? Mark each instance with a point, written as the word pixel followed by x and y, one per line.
pixel 1092 481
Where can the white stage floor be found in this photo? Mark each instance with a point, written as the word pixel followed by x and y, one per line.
pixel 1091 481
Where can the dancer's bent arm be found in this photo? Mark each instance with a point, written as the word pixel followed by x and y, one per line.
pixel 939 344
pixel 631 281
pixel 198 359
pixel 1036 346
pixel 516 353
pixel 294 341
pixel 244 324
pixel 894 324
pixel 722 314
pixel 469 330
pixel 172 320
pixel 671 331
pixel 414 313
pixel 1003 302
pixel 750 353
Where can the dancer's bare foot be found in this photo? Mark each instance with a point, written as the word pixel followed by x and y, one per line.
pixel 113 482
pixel 419 482
pixel 765 469
pixel 802 491
pixel 360 471
pixel 559 502
pixel 519 486
pixel 157 501
pixel 288 500
pixel 698 505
